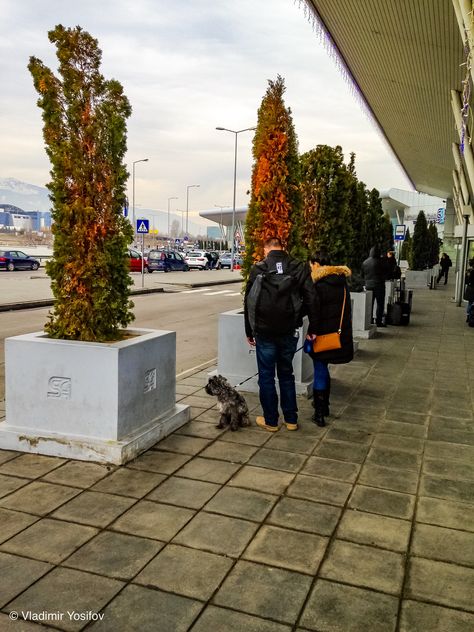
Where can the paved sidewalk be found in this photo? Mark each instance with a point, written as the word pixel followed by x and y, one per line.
pixel 364 526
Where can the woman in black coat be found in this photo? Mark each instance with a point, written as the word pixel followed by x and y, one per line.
pixel 330 285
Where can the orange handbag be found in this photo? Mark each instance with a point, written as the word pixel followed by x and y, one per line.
pixel 328 342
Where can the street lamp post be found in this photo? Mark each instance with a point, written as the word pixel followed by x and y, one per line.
pixel 190 186
pixel 133 192
pixel 169 200
pixel 221 206
pixel 232 234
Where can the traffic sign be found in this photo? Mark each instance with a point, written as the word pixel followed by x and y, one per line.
pixel 440 215
pixel 400 232
pixel 143 226
pixel 185 238
pixel 177 240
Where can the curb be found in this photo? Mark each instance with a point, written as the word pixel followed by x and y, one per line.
pixel 49 302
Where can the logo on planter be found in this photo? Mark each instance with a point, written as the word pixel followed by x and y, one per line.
pixel 150 380
pixel 59 387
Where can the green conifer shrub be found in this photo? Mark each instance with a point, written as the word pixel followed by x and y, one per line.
pixel 84 131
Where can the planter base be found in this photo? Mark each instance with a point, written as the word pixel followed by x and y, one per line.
pixel 83 448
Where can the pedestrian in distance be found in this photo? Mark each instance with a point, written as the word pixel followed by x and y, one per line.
pixel 393 271
pixel 209 260
pixel 374 273
pixel 333 305
pixel 279 290
pixel 469 293
pixel 444 264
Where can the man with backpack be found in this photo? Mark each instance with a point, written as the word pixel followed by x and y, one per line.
pixel 444 264
pixel 278 292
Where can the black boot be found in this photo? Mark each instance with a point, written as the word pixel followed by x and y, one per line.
pixel 318 402
pixel 327 394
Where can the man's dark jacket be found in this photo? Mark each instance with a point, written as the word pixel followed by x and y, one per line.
pixel 374 270
pixel 301 274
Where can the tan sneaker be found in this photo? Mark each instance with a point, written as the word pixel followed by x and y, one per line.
pixel 291 426
pixel 260 421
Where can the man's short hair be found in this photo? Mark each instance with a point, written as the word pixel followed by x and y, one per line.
pixel 272 242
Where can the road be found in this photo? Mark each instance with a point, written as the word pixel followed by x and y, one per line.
pixel 193 314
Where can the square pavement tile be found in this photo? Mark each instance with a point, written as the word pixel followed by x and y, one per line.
pixel 8 455
pixel 30 465
pixel 217 534
pixel 351 436
pixel 278 460
pixel 220 619
pixel 39 498
pixel 262 479
pixel 153 520
pixel 114 555
pixel 319 489
pixel 127 482
pixel 199 429
pixel 65 589
pixel 394 458
pixel 49 540
pixel 209 416
pixel 287 548
pixel 397 442
pixel 388 478
pixel 447 545
pixel 13 522
pixel 302 515
pixel 447 451
pixel 364 566
pixel 241 503
pixel 441 583
pixel 301 443
pixel 397 428
pixel 420 617
pixel 342 451
pixel 407 416
pixel 445 513
pixel 137 609
pixel 449 469
pixel 8 625
pixel 77 474
pixel 208 470
pixel 182 444
pixel 330 468
pixel 184 492
pixel 264 591
pixel 161 462
pixel 462 491
pixel 340 608
pixel 227 451
pixel 246 437
pixel 199 402
pixel 382 502
pixel 185 571
pixel 9 484
pixel 18 573
pixel 374 530
pixel 94 508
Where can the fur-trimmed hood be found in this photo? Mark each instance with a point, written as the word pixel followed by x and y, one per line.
pixel 323 271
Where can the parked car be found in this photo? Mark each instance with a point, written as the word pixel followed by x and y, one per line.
pixel 226 258
pixel 197 259
pixel 17 260
pixel 166 261
pixel 136 261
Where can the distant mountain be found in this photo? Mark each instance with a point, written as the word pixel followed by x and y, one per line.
pixel 28 197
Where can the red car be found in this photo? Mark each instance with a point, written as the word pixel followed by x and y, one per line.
pixel 136 261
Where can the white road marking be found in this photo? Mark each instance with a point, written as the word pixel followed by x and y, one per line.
pixel 203 289
pixel 235 294
pixel 214 293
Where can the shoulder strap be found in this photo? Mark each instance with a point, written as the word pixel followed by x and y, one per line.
pixel 342 312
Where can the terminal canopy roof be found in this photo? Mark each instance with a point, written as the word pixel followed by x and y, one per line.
pixel 405 56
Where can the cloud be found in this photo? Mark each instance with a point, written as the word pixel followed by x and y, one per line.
pixel 188 67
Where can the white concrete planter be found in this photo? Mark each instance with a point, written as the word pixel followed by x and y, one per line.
pixel 237 360
pixel 417 278
pixel 102 402
pixel 362 326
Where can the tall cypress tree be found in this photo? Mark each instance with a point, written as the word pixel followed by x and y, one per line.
pixel 84 130
pixel 275 203
pixel 420 247
pixel 326 184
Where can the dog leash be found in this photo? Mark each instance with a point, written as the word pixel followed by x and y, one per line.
pixel 255 375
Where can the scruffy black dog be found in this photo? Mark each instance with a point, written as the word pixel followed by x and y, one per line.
pixel 233 407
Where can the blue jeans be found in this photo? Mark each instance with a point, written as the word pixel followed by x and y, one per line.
pixel 277 353
pixel 321 375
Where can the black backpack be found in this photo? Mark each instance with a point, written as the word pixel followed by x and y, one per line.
pixel 274 303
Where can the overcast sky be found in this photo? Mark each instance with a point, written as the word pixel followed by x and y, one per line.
pixel 188 66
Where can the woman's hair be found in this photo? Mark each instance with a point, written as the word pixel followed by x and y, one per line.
pixel 321 258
